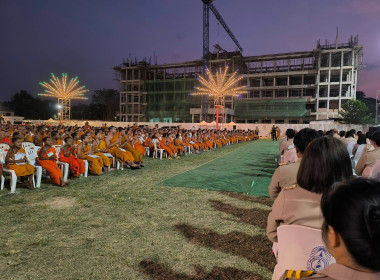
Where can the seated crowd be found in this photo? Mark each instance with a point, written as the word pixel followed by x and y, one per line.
pixel 318 191
pixel 102 147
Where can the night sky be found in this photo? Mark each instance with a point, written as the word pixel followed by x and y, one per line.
pixel 86 38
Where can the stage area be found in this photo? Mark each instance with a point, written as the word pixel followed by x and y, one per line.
pixel 247 169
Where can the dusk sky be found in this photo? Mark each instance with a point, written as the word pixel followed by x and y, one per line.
pixel 86 38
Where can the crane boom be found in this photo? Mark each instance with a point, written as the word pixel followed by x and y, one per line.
pixel 224 24
pixel 207 6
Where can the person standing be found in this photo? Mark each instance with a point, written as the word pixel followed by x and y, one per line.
pixel 273 133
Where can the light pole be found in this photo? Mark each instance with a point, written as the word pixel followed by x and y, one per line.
pixel 59 106
pixel 377 98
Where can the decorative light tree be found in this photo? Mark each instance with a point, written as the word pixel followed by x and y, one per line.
pixel 219 87
pixel 64 91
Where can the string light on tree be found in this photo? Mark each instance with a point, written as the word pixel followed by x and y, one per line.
pixel 64 91
pixel 220 86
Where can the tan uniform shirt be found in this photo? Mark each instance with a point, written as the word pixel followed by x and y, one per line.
pixel 284 144
pixel 368 158
pixel 348 140
pixel 294 205
pixel 284 176
pixel 339 272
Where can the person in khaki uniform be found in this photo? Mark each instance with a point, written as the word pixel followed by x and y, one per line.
pixel 351 234
pixel 324 162
pixel 285 175
pixel 348 138
pixel 287 141
pixel 369 157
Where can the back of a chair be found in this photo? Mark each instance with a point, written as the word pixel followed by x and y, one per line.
pixel 31 154
pixel 27 144
pixel 4 146
pixel 300 248
pixel 290 155
pixel 350 147
pixel 3 153
pixel 358 153
pixel 57 150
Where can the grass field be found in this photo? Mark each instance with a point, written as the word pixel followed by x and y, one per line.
pixel 128 225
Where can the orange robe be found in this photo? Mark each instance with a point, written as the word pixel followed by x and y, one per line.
pixel 76 165
pixel 167 149
pixel 116 152
pixel 208 143
pixel 139 147
pixel 102 146
pixel 21 169
pixel 58 142
pixel 137 156
pixel 95 164
pixel 51 166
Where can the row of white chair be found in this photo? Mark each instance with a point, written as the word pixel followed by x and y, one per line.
pixel 31 153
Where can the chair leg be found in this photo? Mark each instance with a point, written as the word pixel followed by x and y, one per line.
pixel 13 182
pixel 2 181
pixel 85 168
pixel 38 176
pixel 66 172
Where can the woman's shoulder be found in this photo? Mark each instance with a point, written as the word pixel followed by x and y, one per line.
pixel 295 191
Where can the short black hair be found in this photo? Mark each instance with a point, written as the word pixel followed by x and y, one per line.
pixel 352 208
pixel 342 133
pixel 290 133
pixel 303 138
pixel 67 138
pixel 349 134
pixel 376 138
pixel 324 162
pixel 362 139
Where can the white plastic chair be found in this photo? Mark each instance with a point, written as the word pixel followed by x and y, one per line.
pixel 4 146
pixel 156 150
pixel 31 155
pixel 350 147
pixel 300 248
pixel 290 155
pixel 357 155
pixel 3 153
pixel 27 144
pixel 187 150
pixel 147 151
pixel 63 165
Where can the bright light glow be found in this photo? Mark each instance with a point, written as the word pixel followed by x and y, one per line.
pixel 60 88
pixel 59 106
pixel 220 85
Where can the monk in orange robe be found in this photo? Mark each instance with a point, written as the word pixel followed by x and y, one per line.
pixel 165 144
pixel 100 149
pixel 95 163
pixel 125 144
pixel 113 142
pixel 47 158
pixel 16 160
pixel 68 154
pixel 56 138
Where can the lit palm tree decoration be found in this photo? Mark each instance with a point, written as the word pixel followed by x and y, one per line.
pixel 219 87
pixel 64 91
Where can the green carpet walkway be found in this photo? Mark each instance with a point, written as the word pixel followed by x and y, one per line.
pixel 247 169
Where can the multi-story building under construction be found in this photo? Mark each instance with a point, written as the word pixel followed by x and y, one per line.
pixel 294 87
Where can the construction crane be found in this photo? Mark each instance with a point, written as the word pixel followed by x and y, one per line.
pixel 207 6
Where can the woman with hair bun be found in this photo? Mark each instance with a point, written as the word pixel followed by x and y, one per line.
pixel 351 232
